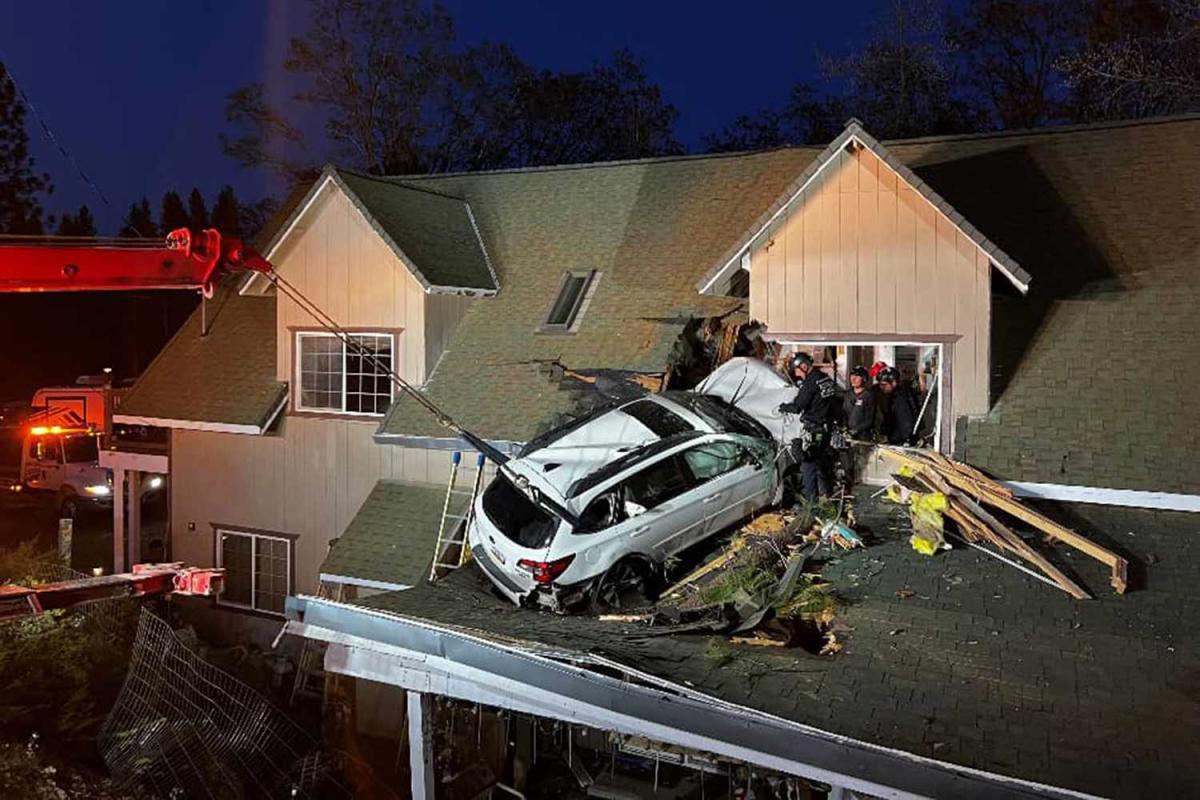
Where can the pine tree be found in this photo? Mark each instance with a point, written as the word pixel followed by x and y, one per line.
pixel 173 215
pixel 79 224
pixel 140 221
pixel 20 186
pixel 225 213
pixel 197 211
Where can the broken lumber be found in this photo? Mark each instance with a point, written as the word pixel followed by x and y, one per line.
pixel 945 473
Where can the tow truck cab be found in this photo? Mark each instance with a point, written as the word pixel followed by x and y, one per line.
pixel 66 463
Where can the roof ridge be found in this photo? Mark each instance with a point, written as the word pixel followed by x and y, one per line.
pixel 400 181
pixel 1048 130
pixel 602 164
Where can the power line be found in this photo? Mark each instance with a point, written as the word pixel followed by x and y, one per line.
pixel 61 147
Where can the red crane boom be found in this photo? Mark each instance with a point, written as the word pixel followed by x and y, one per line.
pixel 180 261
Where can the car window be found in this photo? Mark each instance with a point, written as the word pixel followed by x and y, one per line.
pixel 710 460
pixel 658 483
pixel 81 449
pixel 661 421
pixel 603 512
pixel 51 450
pixel 517 517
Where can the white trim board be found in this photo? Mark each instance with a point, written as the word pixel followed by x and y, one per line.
pixel 326 577
pixel 1098 495
pixel 127 459
pixel 188 424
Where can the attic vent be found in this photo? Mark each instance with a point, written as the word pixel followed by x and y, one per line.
pixel 570 302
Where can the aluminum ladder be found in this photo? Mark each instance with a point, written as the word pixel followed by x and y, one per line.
pixel 310 669
pixel 452 530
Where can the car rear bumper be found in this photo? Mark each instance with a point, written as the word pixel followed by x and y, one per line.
pixel 506 585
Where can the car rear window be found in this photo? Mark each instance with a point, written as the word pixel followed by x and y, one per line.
pixel 518 517
pixel 661 421
pixel 720 414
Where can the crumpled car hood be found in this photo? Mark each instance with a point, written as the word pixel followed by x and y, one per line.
pixel 754 387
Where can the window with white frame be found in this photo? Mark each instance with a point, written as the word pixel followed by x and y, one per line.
pixel 345 377
pixel 258 569
pixel 567 309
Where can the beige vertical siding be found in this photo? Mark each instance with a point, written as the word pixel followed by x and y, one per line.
pixel 310 477
pixel 341 264
pixel 308 481
pixel 861 252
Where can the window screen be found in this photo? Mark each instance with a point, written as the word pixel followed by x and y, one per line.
pixel 257 570
pixel 350 378
pixel 565 310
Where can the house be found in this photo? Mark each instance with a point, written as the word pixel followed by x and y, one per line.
pixel 1045 280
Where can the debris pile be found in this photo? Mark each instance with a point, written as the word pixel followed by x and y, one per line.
pixel 758 591
pixel 935 486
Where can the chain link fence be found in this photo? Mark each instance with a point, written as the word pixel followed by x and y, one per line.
pixel 182 728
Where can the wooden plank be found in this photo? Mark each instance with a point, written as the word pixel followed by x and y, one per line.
pixel 827 207
pixel 969 399
pixel 868 258
pixel 983 325
pixel 909 286
pixel 797 287
pixel 776 277
pixel 848 238
pixel 759 294
pixel 946 264
pixel 889 254
pixel 810 307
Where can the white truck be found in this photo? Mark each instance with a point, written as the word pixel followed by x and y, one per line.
pixel 60 455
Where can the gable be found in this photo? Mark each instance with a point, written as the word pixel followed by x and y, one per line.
pixel 852 140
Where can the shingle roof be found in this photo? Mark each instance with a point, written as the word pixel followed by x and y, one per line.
pixel 649 227
pixel 431 232
pixel 392 536
pixel 226 377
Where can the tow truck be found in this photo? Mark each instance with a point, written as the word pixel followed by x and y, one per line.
pixel 183 260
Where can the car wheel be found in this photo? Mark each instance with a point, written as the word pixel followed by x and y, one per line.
pixel 626 584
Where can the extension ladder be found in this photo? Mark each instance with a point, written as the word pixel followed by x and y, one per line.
pixel 452 530
pixel 310 670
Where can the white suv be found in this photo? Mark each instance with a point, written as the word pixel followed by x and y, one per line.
pixel 598 506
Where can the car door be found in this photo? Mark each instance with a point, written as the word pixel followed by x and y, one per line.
pixel 44 466
pixel 673 515
pixel 729 480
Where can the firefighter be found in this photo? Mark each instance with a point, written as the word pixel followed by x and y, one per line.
pixel 816 403
pixel 900 409
pixel 861 406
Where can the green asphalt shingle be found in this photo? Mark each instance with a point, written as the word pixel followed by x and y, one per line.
pixel 650 228
pixel 227 376
pixel 432 231
pixel 392 536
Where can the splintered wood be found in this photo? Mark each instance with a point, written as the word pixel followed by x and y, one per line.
pixel 968 490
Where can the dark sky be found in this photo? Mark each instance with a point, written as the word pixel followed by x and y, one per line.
pixel 134 90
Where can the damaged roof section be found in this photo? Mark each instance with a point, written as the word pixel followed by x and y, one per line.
pixel 222 380
pixel 648 228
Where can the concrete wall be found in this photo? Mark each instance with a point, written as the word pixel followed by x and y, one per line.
pixel 861 253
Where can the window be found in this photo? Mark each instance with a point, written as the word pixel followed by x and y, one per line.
pixel 657 483
pixel 661 421
pixel 258 570
pixel 568 304
pixel 713 459
pixel 82 449
pixel 518 517
pixel 348 379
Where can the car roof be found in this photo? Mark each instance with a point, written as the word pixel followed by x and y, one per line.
pixel 584 449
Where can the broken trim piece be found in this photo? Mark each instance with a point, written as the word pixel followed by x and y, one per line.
pixel 855 134
pixel 1099 495
pixel 444 442
pixel 189 425
pixel 418 655
pixel 362 583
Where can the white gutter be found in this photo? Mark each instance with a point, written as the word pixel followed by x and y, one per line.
pixel 363 583
pixel 188 425
pixel 1128 498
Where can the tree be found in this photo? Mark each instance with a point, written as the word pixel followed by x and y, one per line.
pixel 139 221
pixel 806 119
pixel 80 224
pixel 1011 50
pixel 174 215
pixel 197 211
pixel 1142 59
pixel 20 186
pixel 226 213
pixel 903 82
pixel 396 97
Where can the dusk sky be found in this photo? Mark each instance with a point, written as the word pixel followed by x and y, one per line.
pixel 135 90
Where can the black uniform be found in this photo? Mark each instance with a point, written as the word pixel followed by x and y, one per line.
pixel 859 411
pixel 816 403
pixel 900 418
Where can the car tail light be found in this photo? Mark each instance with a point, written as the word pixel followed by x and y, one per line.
pixel 546 571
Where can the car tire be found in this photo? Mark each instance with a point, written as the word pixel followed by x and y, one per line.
pixel 629 583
